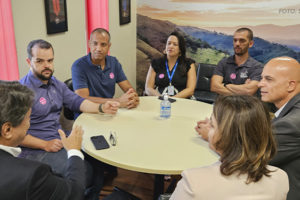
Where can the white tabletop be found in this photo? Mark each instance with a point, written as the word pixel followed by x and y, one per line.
pixel 148 144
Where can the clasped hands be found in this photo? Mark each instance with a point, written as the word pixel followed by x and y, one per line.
pixel 203 127
pixel 129 100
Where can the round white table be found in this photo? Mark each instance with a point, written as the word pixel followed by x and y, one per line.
pixel 146 143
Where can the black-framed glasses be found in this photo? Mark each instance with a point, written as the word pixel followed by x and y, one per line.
pixel 113 138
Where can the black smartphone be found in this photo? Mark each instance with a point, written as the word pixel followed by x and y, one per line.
pixel 170 99
pixel 99 142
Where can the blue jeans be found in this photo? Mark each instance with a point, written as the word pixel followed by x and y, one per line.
pixel 58 161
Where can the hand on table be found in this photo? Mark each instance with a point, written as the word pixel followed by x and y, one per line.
pixel 110 107
pixel 203 127
pixel 129 100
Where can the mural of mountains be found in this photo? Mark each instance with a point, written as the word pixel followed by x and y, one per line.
pixel 286 35
pixel 262 50
pixel 152 35
pixel 203 46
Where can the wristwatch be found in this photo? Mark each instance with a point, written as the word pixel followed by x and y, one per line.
pixel 100 108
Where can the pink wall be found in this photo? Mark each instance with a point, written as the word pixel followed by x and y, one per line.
pixel 8 55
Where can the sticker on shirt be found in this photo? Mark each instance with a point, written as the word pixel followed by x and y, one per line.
pixel 161 76
pixel 111 75
pixel 43 101
pixel 244 74
pixel 233 76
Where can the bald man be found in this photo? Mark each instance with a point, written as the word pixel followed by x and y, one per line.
pixel 280 84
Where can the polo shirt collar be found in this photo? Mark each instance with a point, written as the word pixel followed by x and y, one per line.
pixel 231 60
pixel 91 63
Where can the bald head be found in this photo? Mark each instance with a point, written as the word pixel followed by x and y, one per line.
pixel 288 67
pixel 280 80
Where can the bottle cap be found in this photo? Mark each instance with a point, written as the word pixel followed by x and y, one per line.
pixel 166 97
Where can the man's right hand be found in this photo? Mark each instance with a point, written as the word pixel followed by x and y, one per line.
pixel 53 145
pixel 74 140
pixel 110 107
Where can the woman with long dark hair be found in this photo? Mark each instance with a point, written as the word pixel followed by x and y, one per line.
pixel 173 74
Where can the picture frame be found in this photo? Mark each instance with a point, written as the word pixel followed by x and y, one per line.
pixel 56 16
pixel 124 11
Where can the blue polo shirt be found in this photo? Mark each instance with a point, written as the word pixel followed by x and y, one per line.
pixel 101 83
pixel 48 102
pixel 228 69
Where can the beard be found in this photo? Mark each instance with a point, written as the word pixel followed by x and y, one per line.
pixel 241 51
pixel 41 76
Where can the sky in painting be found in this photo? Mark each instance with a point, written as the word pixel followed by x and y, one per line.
pixel 222 13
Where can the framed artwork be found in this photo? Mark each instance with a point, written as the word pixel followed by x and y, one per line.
pixel 124 8
pixel 56 16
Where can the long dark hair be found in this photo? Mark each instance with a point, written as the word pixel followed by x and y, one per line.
pixel 182 47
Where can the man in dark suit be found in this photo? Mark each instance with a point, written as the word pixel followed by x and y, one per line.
pixel 280 84
pixel 26 179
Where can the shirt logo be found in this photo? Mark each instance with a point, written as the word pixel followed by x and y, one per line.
pixel 43 101
pixel 111 75
pixel 233 76
pixel 244 74
pixel 161 76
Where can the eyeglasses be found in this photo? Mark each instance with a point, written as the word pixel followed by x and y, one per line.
pixel 113 138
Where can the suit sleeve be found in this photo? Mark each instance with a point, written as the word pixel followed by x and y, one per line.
pixel 46 185
pixel 287 134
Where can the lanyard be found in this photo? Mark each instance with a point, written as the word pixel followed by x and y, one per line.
pixel 168 71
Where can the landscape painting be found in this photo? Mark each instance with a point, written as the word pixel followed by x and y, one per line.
pixel 208 26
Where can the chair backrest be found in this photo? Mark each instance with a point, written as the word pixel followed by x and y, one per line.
pixel 204 74
pixel 67 112
pixel 69 83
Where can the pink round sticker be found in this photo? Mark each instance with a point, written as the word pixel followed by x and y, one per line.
pixel 161 76
pixel 111 75
pixel 233 76
pixel 43 101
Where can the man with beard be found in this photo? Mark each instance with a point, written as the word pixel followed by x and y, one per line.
pixel 42 142
pixel 238 74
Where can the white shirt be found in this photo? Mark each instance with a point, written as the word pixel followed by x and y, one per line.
pixel 15 151
pixel 277 113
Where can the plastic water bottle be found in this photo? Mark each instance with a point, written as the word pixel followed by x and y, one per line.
pixel 165 108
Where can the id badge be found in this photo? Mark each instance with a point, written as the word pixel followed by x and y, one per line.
pixel 171 90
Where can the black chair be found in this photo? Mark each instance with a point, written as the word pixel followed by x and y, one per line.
pixel 202 91
pixel 67 112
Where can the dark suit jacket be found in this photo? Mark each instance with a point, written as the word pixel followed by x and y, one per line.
pixel 22 179
pixel 287 131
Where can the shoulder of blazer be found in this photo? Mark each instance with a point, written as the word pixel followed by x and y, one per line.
pixel 293 103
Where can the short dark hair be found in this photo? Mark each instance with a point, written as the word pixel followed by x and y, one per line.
pixel 15 101
pixel 100 30
pixel 40 43
pixel 250 32
pixel 245 136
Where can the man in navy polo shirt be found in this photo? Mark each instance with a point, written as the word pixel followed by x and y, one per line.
pixel 42 142
pixel 94 76
pixel 238 74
